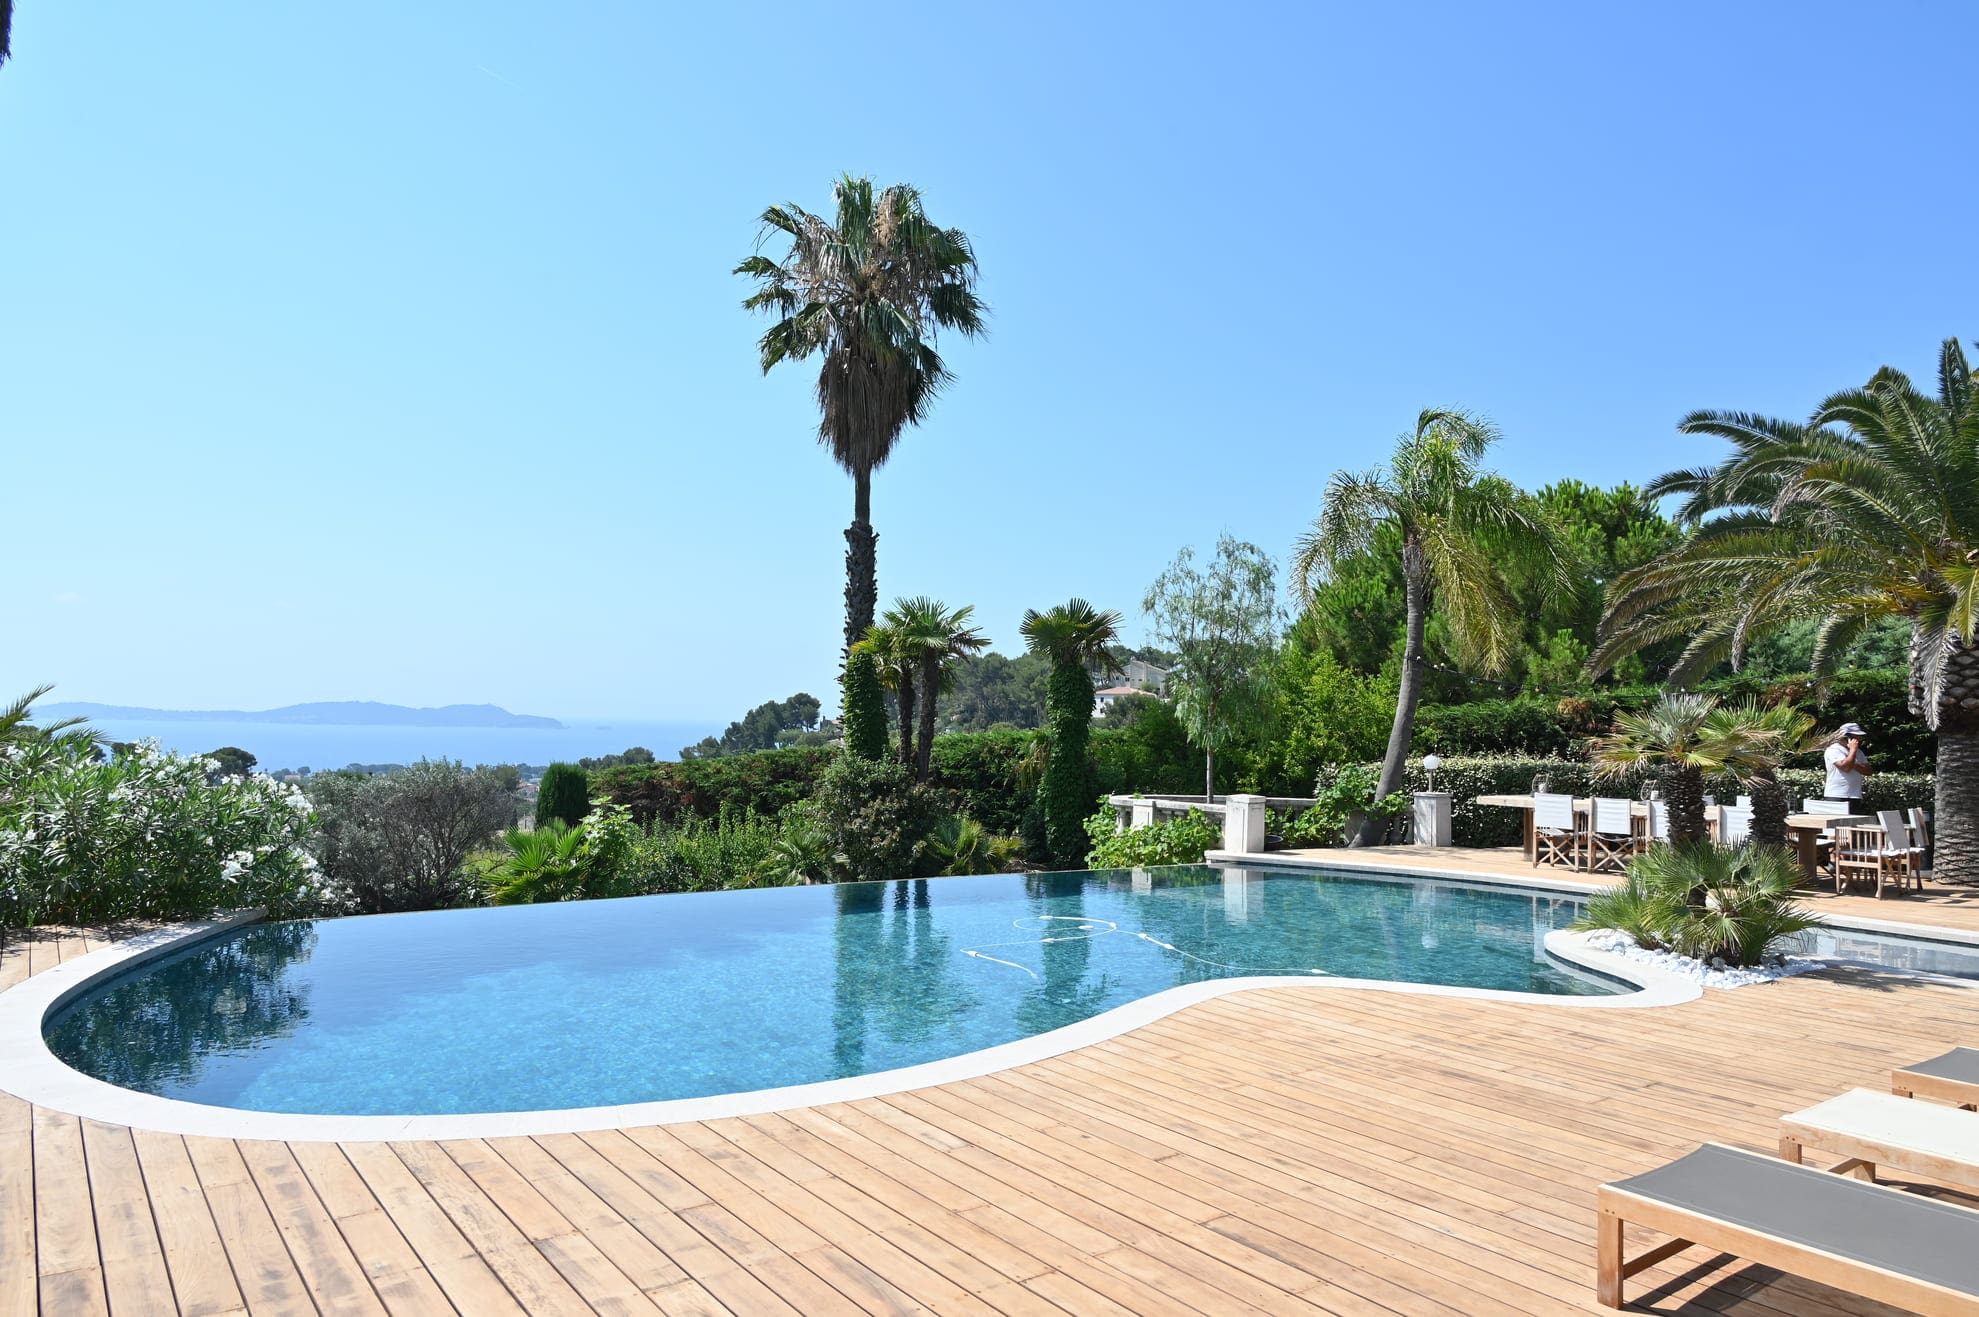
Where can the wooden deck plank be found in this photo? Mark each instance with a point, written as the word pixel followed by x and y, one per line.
pixel 268 1277
pixel 337 1281
pixel 134 1273
pixel 66 1255
pixel 202 1276
pixel 18 1283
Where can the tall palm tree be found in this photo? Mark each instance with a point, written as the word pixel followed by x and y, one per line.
pixel 934 637
pixel 6 28
pixel 868 291
pixel 1868 510
pixel 1686 738
pixel 1465 534
pixel 1075 636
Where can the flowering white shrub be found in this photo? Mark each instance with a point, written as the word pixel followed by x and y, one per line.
pixel 145 835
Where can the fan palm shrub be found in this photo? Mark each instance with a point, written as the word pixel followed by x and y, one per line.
pixel 1464 535
pixel 1733 904
pixel 1868 510
pixel 963 846
pixel 896 652
pixel 1075 636
pixel 1684 738
pixel 868 292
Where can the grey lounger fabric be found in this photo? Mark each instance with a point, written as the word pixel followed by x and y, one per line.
pixel 1960 1066
pixel 1886 1228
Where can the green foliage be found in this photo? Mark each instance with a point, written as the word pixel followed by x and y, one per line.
pixel 762 728
pixel 1069 785
pixel 564 796
pixel 864 702
pixel 145 835
pixel 560 863
pixel 875 819
pixel 1075 636
pixel 801 853
pixel 667 794
pixel 1223 620
pixel 1733 905
pixel 637 754
pixel 401 840
pixel 1343 794
pixel 231 761
pixel 735 849
pixel 1182 840
pixel 1329 714
pixel 982 776
pixel 1683 738
pixel 964 846
pixel 993 691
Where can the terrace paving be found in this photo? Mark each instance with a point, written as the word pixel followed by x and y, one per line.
pixel 1289 1150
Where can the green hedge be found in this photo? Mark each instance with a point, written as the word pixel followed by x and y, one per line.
pixel 1545 727
pixel 1468 777
pixel 763 782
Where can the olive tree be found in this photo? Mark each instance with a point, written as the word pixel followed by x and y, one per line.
pixel 400 840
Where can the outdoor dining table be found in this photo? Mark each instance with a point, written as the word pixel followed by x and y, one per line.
pixel 1805 829
pixel 1582 808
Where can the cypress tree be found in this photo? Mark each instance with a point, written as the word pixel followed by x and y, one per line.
pixel 565 795
pixel 1068 788
pixel 864 703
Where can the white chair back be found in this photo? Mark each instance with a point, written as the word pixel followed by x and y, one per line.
pixel 1920 826
pixel 1744 802
pixel 1553 812
pixel 1824 806
pixel 1659 821
pixel 1734 824
pixel 1612 817
pixel 1896 831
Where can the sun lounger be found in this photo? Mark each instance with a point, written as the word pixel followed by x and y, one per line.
pixel 1953 1077
pixel 1873 1129
pixel 1867 1239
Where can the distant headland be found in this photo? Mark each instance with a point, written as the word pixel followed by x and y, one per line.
pixel 340 713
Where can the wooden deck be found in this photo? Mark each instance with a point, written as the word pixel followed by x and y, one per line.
pixel 1284 1151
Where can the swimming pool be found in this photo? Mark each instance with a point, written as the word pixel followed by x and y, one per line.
pixel 600 1003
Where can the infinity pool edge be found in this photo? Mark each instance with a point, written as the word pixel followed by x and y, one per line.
pixel 30 1071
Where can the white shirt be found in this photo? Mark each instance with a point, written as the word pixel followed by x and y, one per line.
pixel 1843 783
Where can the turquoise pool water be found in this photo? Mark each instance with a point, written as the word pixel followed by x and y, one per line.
pixel 604 1002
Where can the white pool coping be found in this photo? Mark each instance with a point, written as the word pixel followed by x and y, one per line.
pixel 29 1071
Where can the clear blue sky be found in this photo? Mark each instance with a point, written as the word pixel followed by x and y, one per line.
pixel 384 351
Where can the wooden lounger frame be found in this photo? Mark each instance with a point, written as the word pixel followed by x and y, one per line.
pixel 1618 1207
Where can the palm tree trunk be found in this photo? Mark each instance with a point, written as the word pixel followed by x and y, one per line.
pixel 1683 792
pixel 1955 830
pixel 906 688
pixel 1955 833
pixel 1209 777
pixel 1393 764
pixel 862 588
pixel 1769 810
pixel 930 689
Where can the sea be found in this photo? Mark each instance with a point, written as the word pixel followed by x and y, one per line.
pixel 278 746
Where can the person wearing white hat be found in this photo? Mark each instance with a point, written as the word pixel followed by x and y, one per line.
pixel 1848 766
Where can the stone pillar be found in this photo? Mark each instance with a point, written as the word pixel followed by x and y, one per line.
pixel 1243 824
pixel 1143 812
pixel 1431 818
pixel 1122 808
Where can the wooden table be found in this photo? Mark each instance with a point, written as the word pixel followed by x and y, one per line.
pixel 1582 806
pixel 1807 831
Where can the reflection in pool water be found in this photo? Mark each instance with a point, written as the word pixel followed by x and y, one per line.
pixel 607 1002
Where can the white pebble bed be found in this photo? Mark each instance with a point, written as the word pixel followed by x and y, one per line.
pixel 1713 975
